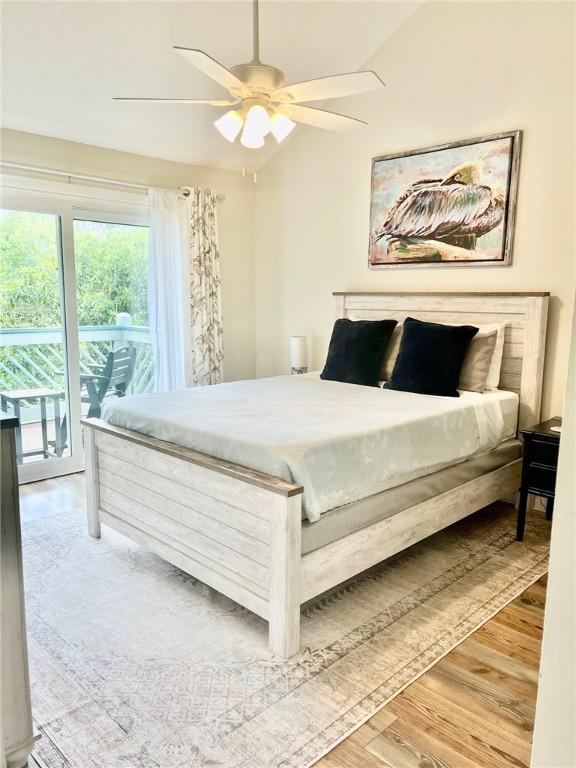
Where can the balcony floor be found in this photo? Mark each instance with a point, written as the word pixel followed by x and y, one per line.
pixel 32 439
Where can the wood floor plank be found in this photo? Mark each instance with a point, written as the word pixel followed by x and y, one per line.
pixel 432 746
pixel 351 756
pixel 462 730
pixel 484 653
pixel 50 497
pixel 511 642
pixel 331 761
pixel 536 593
pixel 533 599
pixel 527 613
pixel 481 697
pixel 395 750
pixel 513 618
pixel 494 667
pixel 543 580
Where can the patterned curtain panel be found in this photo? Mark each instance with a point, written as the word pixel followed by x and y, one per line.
pixel 206 364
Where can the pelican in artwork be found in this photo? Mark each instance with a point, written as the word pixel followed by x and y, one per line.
pixel 457 208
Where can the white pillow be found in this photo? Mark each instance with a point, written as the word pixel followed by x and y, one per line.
pixel 391 353
pixel 494 373
pixel 477 361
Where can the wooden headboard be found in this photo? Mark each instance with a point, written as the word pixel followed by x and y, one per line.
pixel 525 315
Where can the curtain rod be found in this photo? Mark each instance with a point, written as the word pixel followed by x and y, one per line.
pixel 97 179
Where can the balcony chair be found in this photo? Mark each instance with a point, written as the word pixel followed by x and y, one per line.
pixel 110 379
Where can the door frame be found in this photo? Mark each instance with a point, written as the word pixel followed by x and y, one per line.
pixel 62 209
pixel 83 203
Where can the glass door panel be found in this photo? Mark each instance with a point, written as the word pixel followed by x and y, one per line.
pixel 112 293
pixel 33 361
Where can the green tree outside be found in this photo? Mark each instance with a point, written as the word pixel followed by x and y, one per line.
pixel 111 271
pixel 111 277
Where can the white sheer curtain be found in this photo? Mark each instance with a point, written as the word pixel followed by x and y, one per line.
pixel 206 361
pixel 168 273
pixel 184 300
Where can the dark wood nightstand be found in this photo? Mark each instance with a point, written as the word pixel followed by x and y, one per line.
pixel 539 468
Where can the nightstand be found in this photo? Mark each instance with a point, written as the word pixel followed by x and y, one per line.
pixel 539 468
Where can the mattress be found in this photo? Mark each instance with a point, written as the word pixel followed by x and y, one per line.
pixel 351 518
pixel 341 442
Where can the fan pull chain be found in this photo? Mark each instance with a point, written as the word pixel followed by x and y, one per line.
pixel 254 175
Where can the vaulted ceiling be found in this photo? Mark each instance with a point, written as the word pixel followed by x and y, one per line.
pixel 62 62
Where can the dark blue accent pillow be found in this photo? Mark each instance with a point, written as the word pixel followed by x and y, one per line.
pixel 356 351
pixel 430 357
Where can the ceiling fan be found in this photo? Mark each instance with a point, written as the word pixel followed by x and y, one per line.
pixel 264 103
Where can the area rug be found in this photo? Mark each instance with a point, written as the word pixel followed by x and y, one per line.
pixel 134 664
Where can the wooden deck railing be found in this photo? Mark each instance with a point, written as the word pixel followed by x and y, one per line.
pixel 33 357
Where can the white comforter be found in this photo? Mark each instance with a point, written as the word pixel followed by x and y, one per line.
pixel 342 442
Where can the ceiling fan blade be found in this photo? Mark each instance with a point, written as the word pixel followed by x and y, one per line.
pixel 320 118
pixel 212 102
pixel 332 87
pixel 213 69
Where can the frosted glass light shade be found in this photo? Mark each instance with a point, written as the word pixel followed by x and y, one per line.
pixel 298 352
pixel 258 120
pixel 251 140
pixel 230 125
pixel 281 126
pixel 257 126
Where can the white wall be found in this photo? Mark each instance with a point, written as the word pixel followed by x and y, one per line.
pixel 235 220
pixel 555 731
pixel 455 70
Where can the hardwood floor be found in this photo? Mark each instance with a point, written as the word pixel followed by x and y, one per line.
pixel 474 709
pixel 50 497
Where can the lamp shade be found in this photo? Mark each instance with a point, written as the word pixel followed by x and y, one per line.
pixel 281 126
pixel 298 352
pixel 257 126
pixel 230 125
pixel 258 120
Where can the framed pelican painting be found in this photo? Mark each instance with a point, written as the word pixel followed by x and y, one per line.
pixel 450 205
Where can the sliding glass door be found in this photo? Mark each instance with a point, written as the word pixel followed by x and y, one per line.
pixel 112 298
pixel 38 353
pixel 73 322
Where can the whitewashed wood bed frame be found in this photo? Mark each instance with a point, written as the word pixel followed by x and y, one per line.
pixel 239 530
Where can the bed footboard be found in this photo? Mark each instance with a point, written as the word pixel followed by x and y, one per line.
pixel 237 530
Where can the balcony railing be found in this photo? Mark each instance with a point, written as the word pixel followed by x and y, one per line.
pixel 32 357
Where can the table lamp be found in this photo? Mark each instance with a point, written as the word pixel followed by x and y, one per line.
pixel 298 354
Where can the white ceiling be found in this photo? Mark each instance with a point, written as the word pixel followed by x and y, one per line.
pixel 63 62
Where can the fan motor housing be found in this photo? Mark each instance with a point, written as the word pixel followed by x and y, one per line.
pixel 260 78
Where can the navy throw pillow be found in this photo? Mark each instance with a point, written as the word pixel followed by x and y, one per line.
pixel 431 357
pixel 356 351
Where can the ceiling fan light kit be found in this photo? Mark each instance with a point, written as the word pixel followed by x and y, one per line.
pixel 256 122
pixel 230 124
pixel 267 104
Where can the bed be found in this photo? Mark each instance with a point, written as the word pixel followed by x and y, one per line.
pixel 288 527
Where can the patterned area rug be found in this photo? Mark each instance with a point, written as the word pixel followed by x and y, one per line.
pixel 134 664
